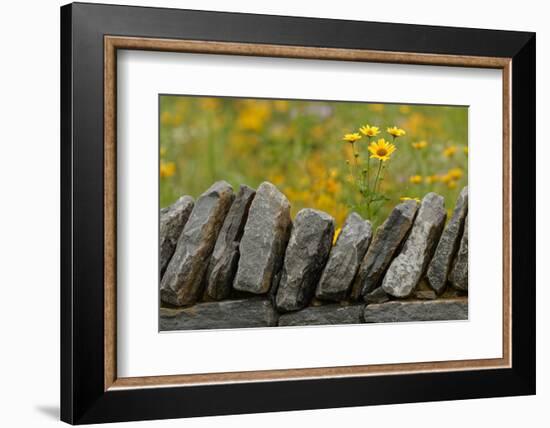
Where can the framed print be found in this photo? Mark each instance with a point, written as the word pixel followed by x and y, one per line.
pixel 320 213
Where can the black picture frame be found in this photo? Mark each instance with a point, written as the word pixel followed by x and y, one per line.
pixel 83 397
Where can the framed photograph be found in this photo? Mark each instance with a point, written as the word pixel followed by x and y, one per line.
pixel 266 213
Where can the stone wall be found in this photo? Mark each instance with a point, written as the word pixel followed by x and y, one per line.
pixel 236 260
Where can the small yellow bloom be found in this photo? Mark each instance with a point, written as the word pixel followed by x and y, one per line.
pixel 351 138
pixel 451 184
pixel 162 151
pixel 336 234
pixel 381 150
pixel 167 169
pixel 415 179
pixel 446 179
pixel 406 198
pixel 370 131
pixel 450 151
pixel 432 179
pixel 396 132
pixel 209 103
pixel 420 145
pixel 281 106
pixel 465 150
pixel 455 173
pixel 404 109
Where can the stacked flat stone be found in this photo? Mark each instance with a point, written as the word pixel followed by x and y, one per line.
pixel 408 267
pixel 306 254
pixel 386 242
pixel 172 221
pixel 441 263
pixel 264 240
pixel 182 283
pixel 225 257
pixel 345 258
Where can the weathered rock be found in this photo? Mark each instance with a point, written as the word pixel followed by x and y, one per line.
pixel 345 258
pixel 306 254
pixel 183 281
pixel 225 314
pixel 378 295
pixel 407 268
pixel 225 257
pixel 324 315
pixel 459 273
pixel 264 241
pixel 430 310
pixel 423 291
pixel 441 263
pixel 385 244
pixel 172 221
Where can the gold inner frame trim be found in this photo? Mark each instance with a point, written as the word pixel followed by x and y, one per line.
pixel 113 43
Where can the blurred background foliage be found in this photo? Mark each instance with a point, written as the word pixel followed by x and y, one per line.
pixel 297 145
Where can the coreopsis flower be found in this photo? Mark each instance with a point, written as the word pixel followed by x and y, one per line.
pixel 450 151
pixel 415 179
pixel 395 131
pixel 455 173
pixel 370 131
pixel 167 169
pixel 381 150
pixel 352 138
pixel 419 145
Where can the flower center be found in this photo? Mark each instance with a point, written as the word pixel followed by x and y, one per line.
pixel 381 152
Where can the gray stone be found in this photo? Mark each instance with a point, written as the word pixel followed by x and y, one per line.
pixel 306 254
pixel 225 314
pixel 425 295
pixel 459 273
pixel 385 244
pixel 378 295
pixel 225 257
pixel 430 310
pixel 423 291
pixel 172 221
pixel 324 315
pixel 440 265
pixel 264 241
pixel 345 258
pixel 183 281
pixel 407 268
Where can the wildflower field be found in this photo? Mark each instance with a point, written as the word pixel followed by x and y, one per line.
pixel 334 156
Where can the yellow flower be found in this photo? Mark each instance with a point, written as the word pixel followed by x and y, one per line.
pixel 465 150
pixel 381 150
pixel 396 132
pixel 406 198
pixel 351 138
pixel 404 109
pixel 336 234
pixel 281 106
pixel 162 151
pixel 449 151
pixel 451 184
pixel 446 179
pixel 420 145
pixel 432 179
pixel 209 103
pixel 370 131
pixel 455 173
pixel 415 179
pixel 167 169
pixel 377 107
